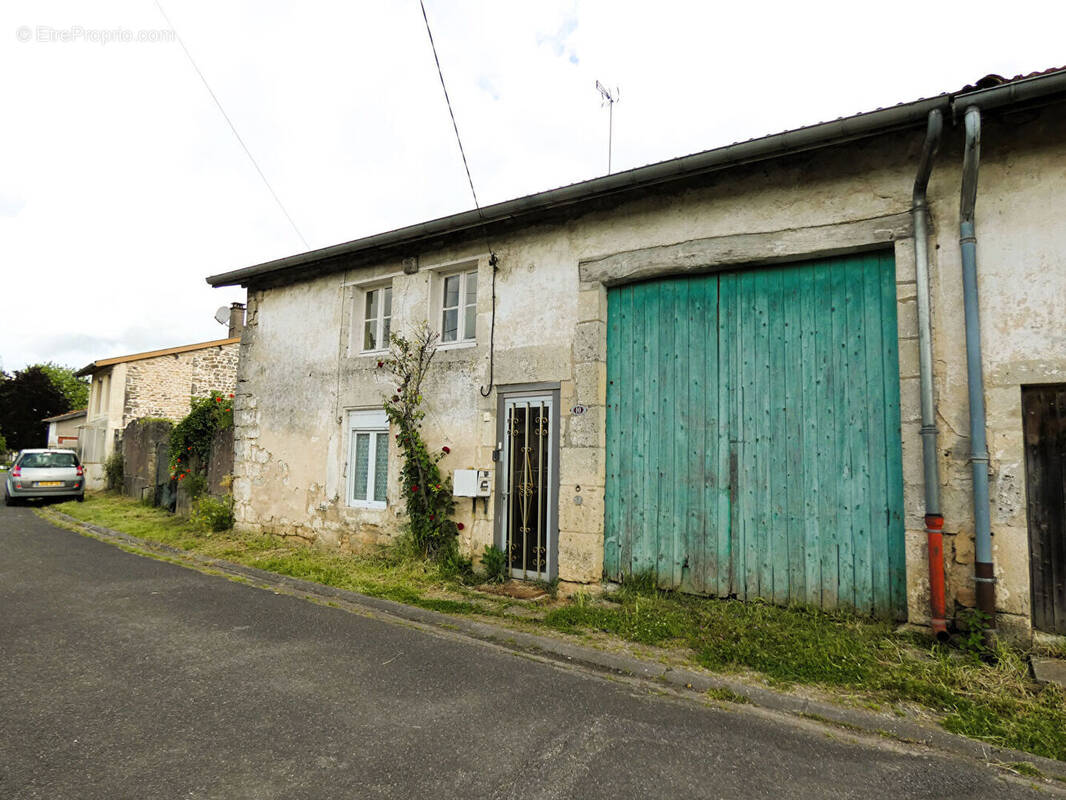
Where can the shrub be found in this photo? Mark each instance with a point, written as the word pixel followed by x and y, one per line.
pixel 213 514
pixel 114 470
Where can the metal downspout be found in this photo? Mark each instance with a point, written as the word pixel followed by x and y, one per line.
pixel 934 521
pixel 984 574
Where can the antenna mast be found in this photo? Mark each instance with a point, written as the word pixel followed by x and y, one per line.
pixel 610 100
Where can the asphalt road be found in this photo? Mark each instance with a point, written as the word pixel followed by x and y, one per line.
pixel 126 677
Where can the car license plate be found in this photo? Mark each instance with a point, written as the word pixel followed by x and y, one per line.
pixel 49 483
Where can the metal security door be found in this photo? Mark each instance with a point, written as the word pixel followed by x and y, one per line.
pixel 527 486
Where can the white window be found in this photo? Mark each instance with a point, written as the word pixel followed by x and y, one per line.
pixel 458 316
pixel 377 318
pixel 368 458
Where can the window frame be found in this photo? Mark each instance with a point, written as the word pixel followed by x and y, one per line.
pixel 375 423
pixel 379 321
pixel 461 340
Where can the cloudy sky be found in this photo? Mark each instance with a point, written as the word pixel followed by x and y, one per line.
pixel 122 187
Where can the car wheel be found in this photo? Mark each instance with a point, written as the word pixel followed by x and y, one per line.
pixel 81 498
pixel 9 500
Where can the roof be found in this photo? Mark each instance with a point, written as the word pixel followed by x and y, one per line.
pixel 89 369
pixel 989 92
pixel 69 415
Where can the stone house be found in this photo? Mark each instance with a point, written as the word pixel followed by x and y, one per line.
pixel 744 370
pixel 63 429
pixel 158 383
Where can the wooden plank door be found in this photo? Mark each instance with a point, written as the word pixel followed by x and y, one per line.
pixel 1044 412
pixel 753 434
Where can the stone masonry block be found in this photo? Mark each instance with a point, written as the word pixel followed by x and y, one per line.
pixel 908 358
pixel 581 511
pixel 1004 405
pixel 904 256
pixel 907 322
pixel 906 291
pixel 588 429
pixel 590 342
pixel 590 381
pixel 580 466
pixel 592 304
pixel 910 400
pixel 580 557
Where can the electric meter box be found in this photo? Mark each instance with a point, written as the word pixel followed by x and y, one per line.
pixel 471 483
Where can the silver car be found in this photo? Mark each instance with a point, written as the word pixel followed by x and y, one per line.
pixel 45 473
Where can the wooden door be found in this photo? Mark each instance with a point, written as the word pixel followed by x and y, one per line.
pixel 753 434
pixel 1044 410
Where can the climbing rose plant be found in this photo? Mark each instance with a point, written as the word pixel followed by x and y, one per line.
pixel 193 435
pixel 427 496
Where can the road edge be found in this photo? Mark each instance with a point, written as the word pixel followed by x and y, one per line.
pixel 616 664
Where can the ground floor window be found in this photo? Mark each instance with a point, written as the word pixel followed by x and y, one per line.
pixel 368 458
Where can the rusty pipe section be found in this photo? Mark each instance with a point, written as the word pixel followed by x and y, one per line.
pixel 984 573
pixel 934 521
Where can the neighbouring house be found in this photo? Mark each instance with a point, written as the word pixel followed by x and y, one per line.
pixel 720 369
pixel 63 429
pixel 158 383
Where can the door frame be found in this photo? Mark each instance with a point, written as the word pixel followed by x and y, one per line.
pixel 1046 611
pixel 518 391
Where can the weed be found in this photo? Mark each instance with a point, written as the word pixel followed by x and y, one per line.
pixel 973 629
pixel 213 514
pixel 1025 768
pixel 726 695
pixel 494 564
pixel 114 467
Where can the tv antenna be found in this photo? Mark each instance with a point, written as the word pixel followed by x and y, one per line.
pixel 610 100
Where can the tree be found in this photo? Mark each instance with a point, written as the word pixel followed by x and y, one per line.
pixel 75 389
pixel 26 398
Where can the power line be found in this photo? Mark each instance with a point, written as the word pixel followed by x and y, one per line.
pixel 233 128
pixel 493 261
pixel 448 100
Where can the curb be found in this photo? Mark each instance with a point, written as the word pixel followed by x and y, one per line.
pixel 683 680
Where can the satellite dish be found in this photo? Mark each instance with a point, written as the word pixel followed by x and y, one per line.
pixel 222 315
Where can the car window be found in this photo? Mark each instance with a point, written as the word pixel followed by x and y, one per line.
pixel 44 460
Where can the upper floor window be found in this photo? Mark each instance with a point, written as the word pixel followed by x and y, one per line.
pixel 458 320
pixel 377 318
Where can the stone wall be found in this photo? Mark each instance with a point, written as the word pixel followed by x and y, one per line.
pixel 220 463
pixel 145 457
pixel 301 373
pixel 219 471
pixel 164 386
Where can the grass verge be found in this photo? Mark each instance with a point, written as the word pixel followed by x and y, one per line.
pixel 868 662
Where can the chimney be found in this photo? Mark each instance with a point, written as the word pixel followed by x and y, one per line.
pixel 236 320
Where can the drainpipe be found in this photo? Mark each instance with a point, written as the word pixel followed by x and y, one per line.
pixel 934 521
pixel 984 574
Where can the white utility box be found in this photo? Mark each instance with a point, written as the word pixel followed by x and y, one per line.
pixel 471 483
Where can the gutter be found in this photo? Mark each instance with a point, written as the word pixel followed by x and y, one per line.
pixel 814 137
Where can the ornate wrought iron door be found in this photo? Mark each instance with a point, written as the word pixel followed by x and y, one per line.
pixel 529 473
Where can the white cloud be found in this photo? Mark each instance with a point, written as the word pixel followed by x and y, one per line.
pixel 123 187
